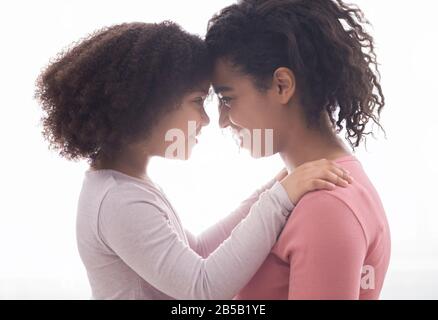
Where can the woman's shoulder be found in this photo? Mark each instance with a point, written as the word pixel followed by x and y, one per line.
pixel 321 218
pixel 324 210
pixel 323 201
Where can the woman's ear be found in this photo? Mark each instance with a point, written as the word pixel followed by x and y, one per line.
pixel 284 84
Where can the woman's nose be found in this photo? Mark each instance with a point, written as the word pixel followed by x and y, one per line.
pixel 224 120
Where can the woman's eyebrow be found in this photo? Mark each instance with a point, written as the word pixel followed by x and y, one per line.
pixel 220 89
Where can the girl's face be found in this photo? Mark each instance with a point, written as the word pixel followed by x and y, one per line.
pixel 176 134
pixel 254 117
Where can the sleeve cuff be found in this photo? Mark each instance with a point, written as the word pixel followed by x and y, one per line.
pixel 280 194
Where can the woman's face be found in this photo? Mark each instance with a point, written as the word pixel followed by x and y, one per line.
pixel 253 116
pixel 176 134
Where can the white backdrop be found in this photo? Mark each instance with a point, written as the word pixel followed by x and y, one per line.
pixel 39 190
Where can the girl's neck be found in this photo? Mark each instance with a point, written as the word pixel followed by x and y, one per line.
pixel 132 164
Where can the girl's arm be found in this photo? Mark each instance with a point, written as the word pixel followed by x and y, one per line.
pixel 139 232
pixel 210 239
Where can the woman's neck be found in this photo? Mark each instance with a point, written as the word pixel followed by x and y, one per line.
pixel 311 145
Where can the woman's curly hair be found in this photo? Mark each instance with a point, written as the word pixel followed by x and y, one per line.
pixel 113 86
pixel 322 41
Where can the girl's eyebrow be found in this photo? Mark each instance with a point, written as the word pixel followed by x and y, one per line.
pixel 204 91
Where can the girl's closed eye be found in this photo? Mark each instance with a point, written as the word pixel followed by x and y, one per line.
pixel 200 100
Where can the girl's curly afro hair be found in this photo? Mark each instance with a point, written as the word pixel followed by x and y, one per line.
pixel 113 86
pixel 322 41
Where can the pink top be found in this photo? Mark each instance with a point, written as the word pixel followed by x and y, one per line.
pixel 335 246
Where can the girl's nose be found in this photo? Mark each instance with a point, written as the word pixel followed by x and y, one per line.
pixel 205 119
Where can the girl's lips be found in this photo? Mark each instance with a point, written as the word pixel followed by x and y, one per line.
pixel 194 138
pixel 196 135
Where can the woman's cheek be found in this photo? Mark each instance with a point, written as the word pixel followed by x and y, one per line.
pixel 241 119
pixel 235 116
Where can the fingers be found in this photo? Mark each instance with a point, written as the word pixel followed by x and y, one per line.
pixel 342 173
pixel 320 184
pixel 330 172
pixel 334 178
pixel 343 176
pixel 317 175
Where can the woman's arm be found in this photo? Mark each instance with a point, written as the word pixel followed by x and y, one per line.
pixel 327 248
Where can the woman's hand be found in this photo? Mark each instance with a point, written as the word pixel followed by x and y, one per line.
pixel 316 175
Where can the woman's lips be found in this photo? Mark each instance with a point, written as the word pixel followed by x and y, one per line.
pixel 238 138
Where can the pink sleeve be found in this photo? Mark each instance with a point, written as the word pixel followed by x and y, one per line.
pixel 211 238
pixel 328 251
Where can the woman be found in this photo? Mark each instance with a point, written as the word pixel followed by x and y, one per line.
pixel 112 99
pixel 305 70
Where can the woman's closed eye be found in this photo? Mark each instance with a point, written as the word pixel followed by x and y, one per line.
pixel 225 101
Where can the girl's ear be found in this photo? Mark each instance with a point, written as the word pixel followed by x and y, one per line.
pixel 284 84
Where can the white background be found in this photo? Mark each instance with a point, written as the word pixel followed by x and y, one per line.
pixel 39 190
